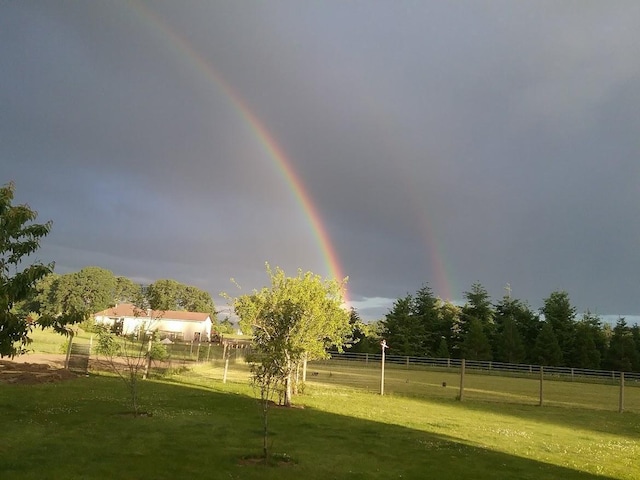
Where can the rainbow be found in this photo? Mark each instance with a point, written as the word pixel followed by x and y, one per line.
pixel 279 159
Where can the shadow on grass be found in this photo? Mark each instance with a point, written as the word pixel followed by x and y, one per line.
pixel 74 430
pixel 575 417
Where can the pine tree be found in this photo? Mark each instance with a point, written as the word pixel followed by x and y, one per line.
pixel 560 314
pixel 476 344
pixel 622 354
pixel 510 347
pixel 546 350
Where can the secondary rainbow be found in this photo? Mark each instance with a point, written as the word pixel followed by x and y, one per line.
pixel 269 143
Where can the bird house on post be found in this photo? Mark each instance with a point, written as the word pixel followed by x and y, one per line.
pixel 383 346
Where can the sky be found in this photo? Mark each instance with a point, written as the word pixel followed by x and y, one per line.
pixel 397 143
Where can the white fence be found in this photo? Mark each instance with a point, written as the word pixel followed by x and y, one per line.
pixel 478 366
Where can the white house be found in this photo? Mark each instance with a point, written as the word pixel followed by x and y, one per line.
pixel 172 324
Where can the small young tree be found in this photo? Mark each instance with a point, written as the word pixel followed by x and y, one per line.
pixel 129 356
pixel 296 319
pixel 266 378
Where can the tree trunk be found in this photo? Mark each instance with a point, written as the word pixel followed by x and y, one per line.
pixel 304 369
pixel 297 381
pixel 287 385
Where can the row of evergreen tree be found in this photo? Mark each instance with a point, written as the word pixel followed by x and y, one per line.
pixel 507 331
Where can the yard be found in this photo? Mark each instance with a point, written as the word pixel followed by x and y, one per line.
pixel 198 427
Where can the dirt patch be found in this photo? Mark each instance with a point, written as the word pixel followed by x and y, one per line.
pixel 274 460
pixel 23 373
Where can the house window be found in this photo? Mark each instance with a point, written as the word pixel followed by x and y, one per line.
pixel 173 336
pixel 118 325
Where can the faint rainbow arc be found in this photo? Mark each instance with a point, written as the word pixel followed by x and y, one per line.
pixel 270 145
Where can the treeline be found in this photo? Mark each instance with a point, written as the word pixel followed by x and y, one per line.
pixel 507 331
pixel 94 289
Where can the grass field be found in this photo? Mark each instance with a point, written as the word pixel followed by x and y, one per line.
pixel 427 383
pixel 201 428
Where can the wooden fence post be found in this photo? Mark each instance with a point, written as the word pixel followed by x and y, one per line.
pixel 621 400
pixel 541 385
pixel 384 346
pixel 462 367
pixel 226 368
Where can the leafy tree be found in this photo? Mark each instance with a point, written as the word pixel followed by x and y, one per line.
pixel 225 327
pixel 127 291
pixel 365 337
pixel 546 350
pixel 164 294
pixel 169 294
pixel 295 319
pixel 46 299
pixel 193 299
pixel 88 290
pixel 476 344
pixel 560 314
pixel 19 238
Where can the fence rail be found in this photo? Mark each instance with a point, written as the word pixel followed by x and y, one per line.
pixel 480 366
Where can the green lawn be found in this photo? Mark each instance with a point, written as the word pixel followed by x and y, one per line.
pixel 48 341
pixel 424 383
pixel 202 428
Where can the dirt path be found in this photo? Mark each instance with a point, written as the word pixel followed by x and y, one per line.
pixel 34 368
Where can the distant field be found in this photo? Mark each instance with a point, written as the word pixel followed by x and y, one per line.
pixel 413 382
pixel 423 383
pixel 201 428
pixel 48 341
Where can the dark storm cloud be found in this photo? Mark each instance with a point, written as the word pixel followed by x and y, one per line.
pixel 499 136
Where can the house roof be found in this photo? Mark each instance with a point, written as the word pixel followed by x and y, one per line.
pixel 129 310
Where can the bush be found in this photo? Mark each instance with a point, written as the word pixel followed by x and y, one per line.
pixel 89 325
pixel 159 351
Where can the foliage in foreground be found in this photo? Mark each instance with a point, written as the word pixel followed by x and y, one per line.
pixel 20 238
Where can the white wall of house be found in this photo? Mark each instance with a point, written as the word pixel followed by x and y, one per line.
pixel 187 328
